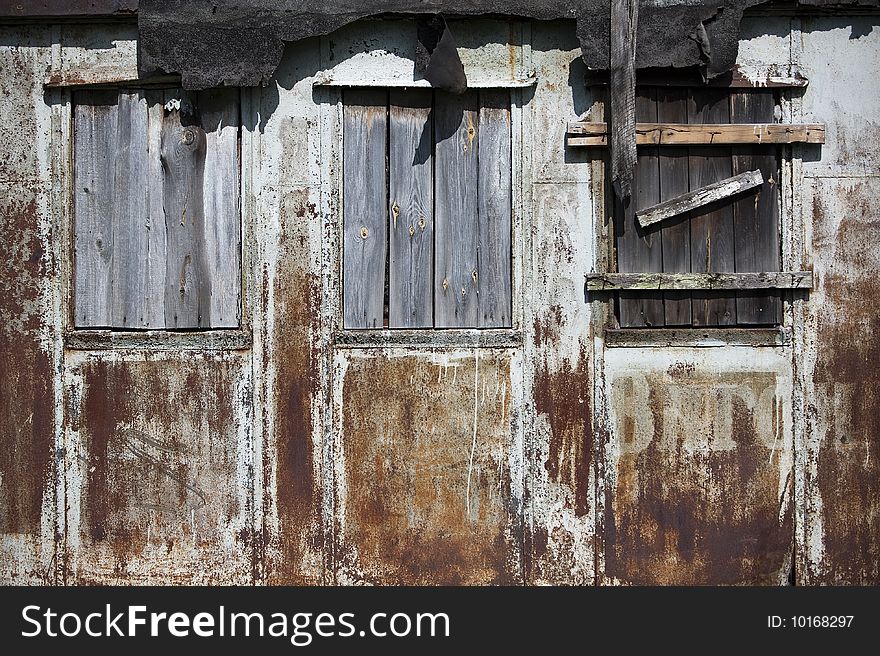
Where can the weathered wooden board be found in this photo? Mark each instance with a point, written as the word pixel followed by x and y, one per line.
pixel 699 197
pixel 712 238
pixel 598 282
pixel 718 134
pixel 637 249
pixel 456 303
pixel 157 213
pixel 95 118
pixel 365 203
pixel 219 111
pixel 187 279
pixel 674 235
pixel 756 218
pixel 411 181
pixel 495 198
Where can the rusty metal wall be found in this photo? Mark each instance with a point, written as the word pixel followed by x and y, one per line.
pixel 291 453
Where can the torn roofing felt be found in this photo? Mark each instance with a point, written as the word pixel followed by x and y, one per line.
pixel 241 42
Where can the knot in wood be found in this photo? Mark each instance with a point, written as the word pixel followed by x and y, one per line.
pixel 412 231
pixel 421 223
pixel 364 233
pixel 188 138
pixel 445 285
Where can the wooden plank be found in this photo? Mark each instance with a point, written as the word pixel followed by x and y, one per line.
pixel 130 292
pixel 605 282
pixel 696 337
pixel 675 235
pixel 495 208
pixel 94 197
pixel 756 218
pixel 155 257
pixel 219 111
pixel 411 181
pixel 624 18
pixel 719 134
pixel 456 304
pixel 187 279
pixel 365 201
pixel 638 249
pixel 704 196
pixel 711 226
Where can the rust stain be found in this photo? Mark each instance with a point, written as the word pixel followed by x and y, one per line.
pixel 408 438
pixel 296 360
pixel 27 402
pixel 697 498
pixel 847 381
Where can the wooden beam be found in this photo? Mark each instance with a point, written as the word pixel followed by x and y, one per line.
pixel 694 199
pixel 604 282
pixel 717 134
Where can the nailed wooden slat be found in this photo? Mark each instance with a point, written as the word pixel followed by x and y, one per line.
pixel 711 227
pixel 187 279
pixel 624 18
pixel 94 197
pixel 155 257
pixel 674 235
pixel 696 337
pixel 365 193
pixel 756 218
pixel 495 197
pixel 219 112
pixel 131 286
pixel 719 134
pixel 700 197
pixel 456 181
pixel 411 268
pixel 637 249
pixel 602 282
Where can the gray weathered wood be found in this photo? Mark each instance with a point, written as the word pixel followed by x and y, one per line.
pixel 494 248
pixel 411 199
pixel 674 235
pixel 637 249
pixel 719 134
pixel 456 210
pixel 187 279
pixel 700 197
pixel 154 259
pixel 365 125
pixel 696 337
pixel 712 239
pixel 95 162
pixel 624 27
pixel 756 218
pixel 219 111
pixel 603 282
pixel 131 218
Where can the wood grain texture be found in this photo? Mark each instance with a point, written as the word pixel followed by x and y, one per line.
pixel 219 112
pixel 652 133
pixel 712 238
pixel 411 213
pixel 603 282
pixel 365 125
pixel 675 235
pixel 639 249
pixel 131 233
pixel 94 197
pixel 697 198
pixel 495 208
pixel 154 258
pixel 187 279
pixel 624 17
pixel 756 217
pixel 456 303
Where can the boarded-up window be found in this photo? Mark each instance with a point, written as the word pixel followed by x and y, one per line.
pixel 736 234
pixel 427 209
pixel 156 212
